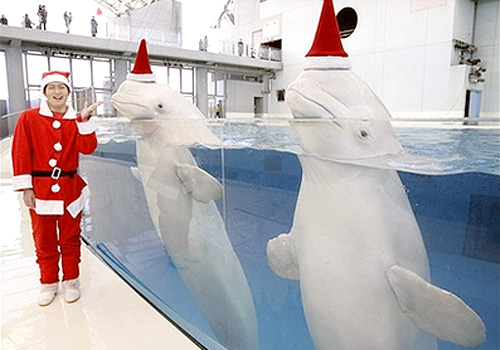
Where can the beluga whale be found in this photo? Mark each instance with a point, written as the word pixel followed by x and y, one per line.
pixel 355 244
pixel 181 200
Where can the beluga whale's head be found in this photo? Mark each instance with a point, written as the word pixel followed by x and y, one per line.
pixel 336 114
pixel 156 110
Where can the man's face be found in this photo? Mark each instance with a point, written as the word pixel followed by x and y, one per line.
pixel 57 95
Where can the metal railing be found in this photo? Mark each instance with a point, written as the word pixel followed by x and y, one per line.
pixel 8 124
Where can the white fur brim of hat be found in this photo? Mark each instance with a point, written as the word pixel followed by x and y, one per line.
pixel 327 62
pixel 144 78
pixel 53 78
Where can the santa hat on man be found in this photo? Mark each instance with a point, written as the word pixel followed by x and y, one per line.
pixel 142 68
pixel 55 76
pixel 327 51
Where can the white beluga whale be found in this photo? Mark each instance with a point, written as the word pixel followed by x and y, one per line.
pixel 355 244
pixel 181 200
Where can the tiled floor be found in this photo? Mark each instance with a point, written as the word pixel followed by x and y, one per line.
pixel 109 315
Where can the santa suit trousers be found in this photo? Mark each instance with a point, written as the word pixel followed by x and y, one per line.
pixel 56 236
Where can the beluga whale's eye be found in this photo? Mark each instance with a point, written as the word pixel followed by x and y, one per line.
pixel 363 133
pixel 160 106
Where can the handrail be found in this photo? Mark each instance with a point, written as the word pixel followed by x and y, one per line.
pixel 5 116
pixel 8 123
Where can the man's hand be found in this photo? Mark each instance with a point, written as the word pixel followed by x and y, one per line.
pixel 29 198
pixel 88 110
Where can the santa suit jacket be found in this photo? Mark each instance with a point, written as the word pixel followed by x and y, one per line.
pixel 43 143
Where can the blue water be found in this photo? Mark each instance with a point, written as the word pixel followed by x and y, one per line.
pixel 457 213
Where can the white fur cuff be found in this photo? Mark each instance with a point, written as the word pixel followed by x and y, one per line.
pixel 21 182
pixel 49 207
pixel 86 128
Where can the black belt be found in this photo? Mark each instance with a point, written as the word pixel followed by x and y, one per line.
pixel 55 174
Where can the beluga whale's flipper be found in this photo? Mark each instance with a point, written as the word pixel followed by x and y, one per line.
pixel 181 201
pixel 435 310
pixel 200 184
pixel 281 257
pixel 355 244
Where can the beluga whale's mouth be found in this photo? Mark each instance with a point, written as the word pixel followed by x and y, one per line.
pixel 134 110
pixel 142 119
pixel 314 109
pixel 318 104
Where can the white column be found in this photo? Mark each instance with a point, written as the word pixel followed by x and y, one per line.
pixel 120 72
pixel 202 90
pixel 15 77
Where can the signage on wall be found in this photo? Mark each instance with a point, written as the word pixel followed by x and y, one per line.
pixel 271 29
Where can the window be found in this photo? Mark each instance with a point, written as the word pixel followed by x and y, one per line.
pixel 4 95
pixel 187 80
pixel 101 69
pixel 81 73
pixel 174 78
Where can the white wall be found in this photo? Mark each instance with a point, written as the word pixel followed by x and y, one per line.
pixel 405 55
pixel 464 20
pixel 160 22
pixel 402 48
pixel 240 98
pixel 487 41
pixel 299 21
pixel 246 14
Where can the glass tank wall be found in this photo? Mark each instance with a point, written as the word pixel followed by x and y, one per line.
pixel 195 227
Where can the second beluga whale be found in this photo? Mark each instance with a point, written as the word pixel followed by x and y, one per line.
pixel 355 244
pixel 181 200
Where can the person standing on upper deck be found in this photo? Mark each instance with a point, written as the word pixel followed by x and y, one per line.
pixel 27 21
pixel 68 17
pixel 42 16
pixel 93 26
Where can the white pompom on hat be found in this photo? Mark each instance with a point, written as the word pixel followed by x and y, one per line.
pixel 142 68
pixel 55 76
pixel 327 51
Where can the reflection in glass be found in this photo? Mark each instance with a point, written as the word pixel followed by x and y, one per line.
pixel 260 170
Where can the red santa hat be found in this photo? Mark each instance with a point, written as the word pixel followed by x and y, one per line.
pixel 55 76
pixel 142 68
pixel 327 51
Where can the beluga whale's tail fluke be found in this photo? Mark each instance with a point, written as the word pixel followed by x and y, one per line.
pixel 181 201
pixel 355 245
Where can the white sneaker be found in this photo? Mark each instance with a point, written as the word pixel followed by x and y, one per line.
pixel 47 293
pixel 71 290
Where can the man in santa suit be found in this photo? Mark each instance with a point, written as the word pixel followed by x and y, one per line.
pixel 45 149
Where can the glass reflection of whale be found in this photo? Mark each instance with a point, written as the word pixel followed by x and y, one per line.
pixel 355 244
pixel 180 199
